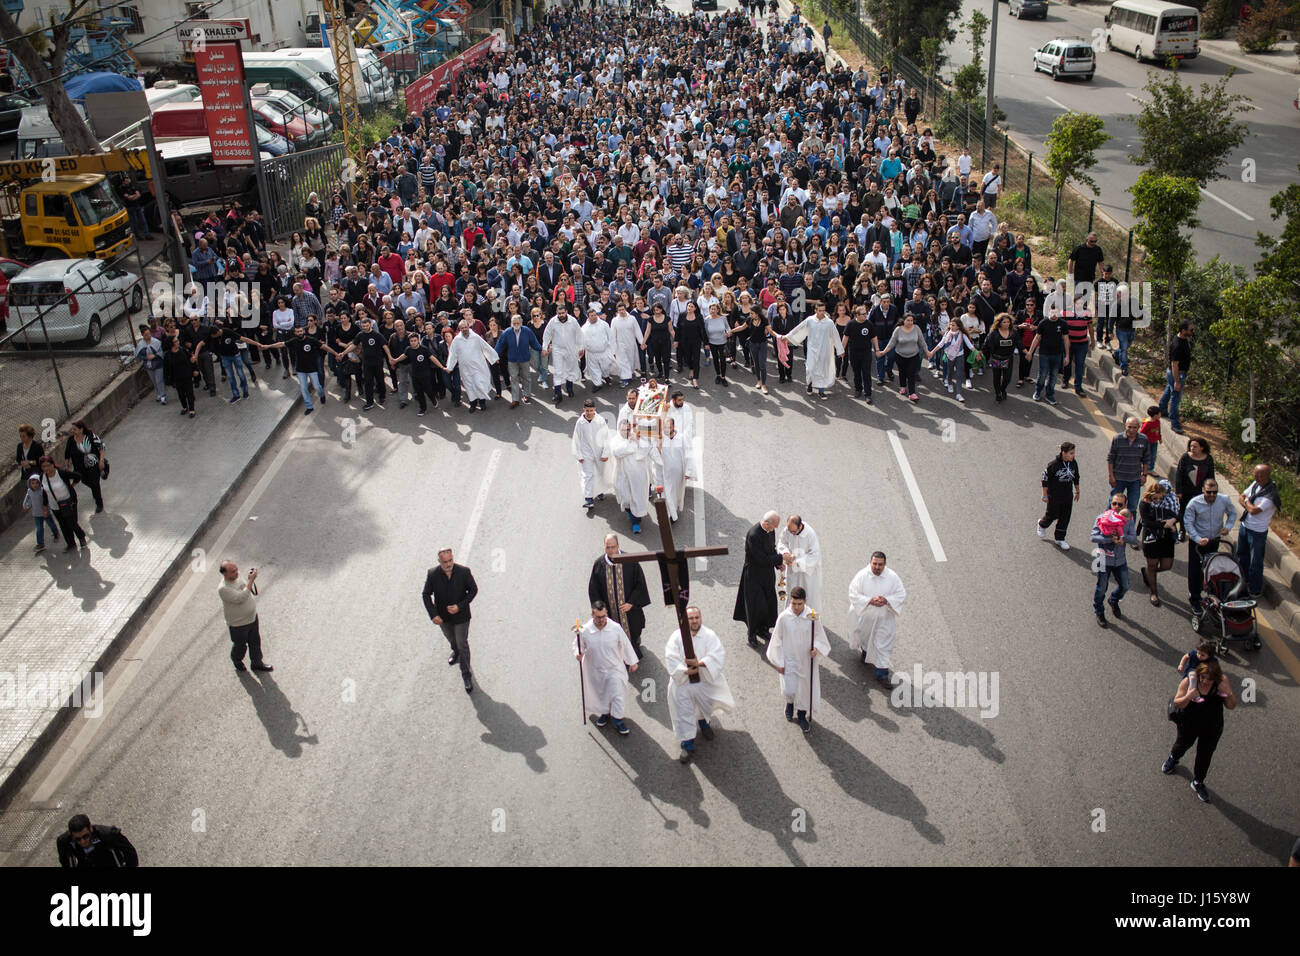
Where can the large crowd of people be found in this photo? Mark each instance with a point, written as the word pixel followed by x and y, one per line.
pixel 643 192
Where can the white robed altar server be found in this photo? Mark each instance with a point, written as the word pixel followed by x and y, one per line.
pixel 607 656
pixel 691 705
pixel 876 597
pixel 804 567
pixel 823 345
pixel 598 341
pixel 636 460
pixel 563 342
pixel 678 465
pixel 685 416
pixel 471 354
pixel 591 441
pixel 790 652
pixel 627 344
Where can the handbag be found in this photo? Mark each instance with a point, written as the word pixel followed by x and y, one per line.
pixel 1174 712
pixel 104 475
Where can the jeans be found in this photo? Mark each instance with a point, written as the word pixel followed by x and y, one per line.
pixel 305 381
pixel 1048 368
pixel 139 224
pixel 1250 555
pixel 1078 362
pixel 1195 555
pixel 1120 573
pixel 156 376
pixel 1120 354
pixel 860 363
pixel 1172 398
pixel 953 372
pixel 1132 490
pixel 230 364
pixel 519 379
pixel 41 521
pixel 884 363
pixel 457 636
pixel 540 364
pixel 758 352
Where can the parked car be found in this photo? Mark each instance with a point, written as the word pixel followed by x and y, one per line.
pixel 1024 9
pixel 74 298
pixel 8 269
pixel 1066 56
pixel 705 4
pixel 293 105
pixel 292 127
pixel 11 111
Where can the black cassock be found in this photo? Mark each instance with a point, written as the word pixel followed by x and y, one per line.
pixel 635 593
pixel 756 597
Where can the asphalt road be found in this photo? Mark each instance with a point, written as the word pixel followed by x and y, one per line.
pixel 1233 210
pixel 362 747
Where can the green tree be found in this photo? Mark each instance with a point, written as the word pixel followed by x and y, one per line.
pixel 1165 207
pixel 1216 17
pixel 969 82
pixel 46 74
pixel 1282 253
pixel 1257 323
pixel 1071 151
pixel 978 27
pixel 903 24
pixel 1261 33
pixel 1189 135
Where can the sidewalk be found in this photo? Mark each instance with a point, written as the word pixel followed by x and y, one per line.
pixel 63 615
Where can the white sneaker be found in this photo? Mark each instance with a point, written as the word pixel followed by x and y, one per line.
pixel 1042 532
pixel 948 385
pixel 968 383
pixel 961 399
pixel 1063 545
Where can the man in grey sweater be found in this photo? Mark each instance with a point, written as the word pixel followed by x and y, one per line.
pixel 239 602
pixel 1209 517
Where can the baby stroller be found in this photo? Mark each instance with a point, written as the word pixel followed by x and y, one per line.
pixel 1225 615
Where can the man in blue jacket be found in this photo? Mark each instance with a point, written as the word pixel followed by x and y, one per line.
pixel 1110 561
pixel 516 346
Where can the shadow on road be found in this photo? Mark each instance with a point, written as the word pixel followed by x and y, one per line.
pixel 507 731
pixel 656 778
pixel 277 715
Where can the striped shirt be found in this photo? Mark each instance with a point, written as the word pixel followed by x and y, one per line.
pixel 1077 327
pixel 679 256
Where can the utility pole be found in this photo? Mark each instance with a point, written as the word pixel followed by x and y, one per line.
pixel 993 62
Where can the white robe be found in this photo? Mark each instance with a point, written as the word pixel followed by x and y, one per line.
pixel 565 341
pixel 679 465
pixel 472 355
pixel 606 655
pixel 685 418
pixel 627 346
pixel 636 460
pixel 873 627
pixel 598 340
pixel 687 702
pixel 788 648
pixel 806 572
pixel 591 441
pixel 624 415
pixel 823 345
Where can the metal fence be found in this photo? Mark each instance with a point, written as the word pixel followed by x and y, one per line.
pixel 44 383
pixel 1027 185
pixel 291 178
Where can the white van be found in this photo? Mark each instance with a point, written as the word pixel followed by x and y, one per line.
pixel 377 75
pixel 169 91
pixel 1155 30
pixel 70 300
pixel 320 61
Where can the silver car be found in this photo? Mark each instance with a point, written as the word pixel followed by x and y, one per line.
pixel 1024 9
pixel 1066 56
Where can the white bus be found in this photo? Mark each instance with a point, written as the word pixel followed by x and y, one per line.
pixel 1150 29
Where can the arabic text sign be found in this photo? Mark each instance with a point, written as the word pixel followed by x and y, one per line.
pixel 221 80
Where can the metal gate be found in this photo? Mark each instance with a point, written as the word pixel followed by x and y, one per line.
pixel 291 178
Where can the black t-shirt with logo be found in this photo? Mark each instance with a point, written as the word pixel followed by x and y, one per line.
pixel 420 359
pixel 1052 333
pixel 372 347
pixel 860 335
pixel 306 351
pixel 224 340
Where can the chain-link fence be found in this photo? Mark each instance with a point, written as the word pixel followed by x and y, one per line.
pixel 70 330
pixel 291 178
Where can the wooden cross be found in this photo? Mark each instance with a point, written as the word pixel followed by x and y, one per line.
pixel 672 569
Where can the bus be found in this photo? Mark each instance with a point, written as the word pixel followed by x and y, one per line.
pixel 1150 29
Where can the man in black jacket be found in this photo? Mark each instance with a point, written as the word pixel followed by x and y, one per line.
pixel 448 591
pixel 756 597
pixel 89 846
pixel 623 590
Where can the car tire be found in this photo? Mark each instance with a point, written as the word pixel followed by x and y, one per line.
pixel 1137 53
pixel 137 300
pixel 94 331
pixel 1056 75
pixel 1089 76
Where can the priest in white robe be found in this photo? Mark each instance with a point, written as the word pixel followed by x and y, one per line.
pixel 472 355
pixel 824 343
pixel 607 656
pixel 591 440
pixel 801 551
pixel 636 459
pixel 598 343
pixel 685 416
pixel 627 345
pixel 679 467
pixel 692 705
pixel 626 410
pixel 876 598
pixel 562 343
pixel 797 641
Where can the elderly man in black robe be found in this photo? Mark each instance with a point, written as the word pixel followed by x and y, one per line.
pixel 756 597
pixel 623 589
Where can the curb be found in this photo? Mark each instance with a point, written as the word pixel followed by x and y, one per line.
pixel 1124 396
pixel 20 772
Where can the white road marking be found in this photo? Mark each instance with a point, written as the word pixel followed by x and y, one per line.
pixel 471 529
pixel 118 680
pixel 914 490
pixel 1226 205
pixel 1134 97
pixel 1058 104
pixel 697 496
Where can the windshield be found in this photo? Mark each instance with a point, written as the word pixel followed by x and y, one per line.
pixel 96 203
pixel 269 112
pixel 1179 24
